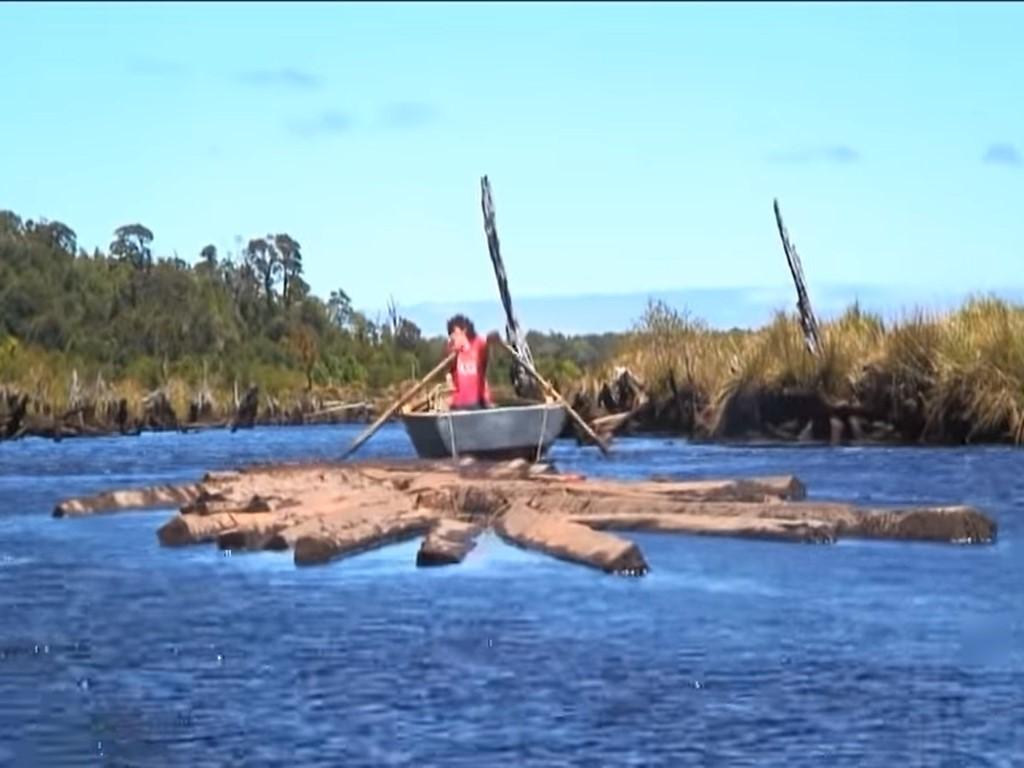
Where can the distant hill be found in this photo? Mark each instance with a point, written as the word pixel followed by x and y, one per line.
pixel 720 307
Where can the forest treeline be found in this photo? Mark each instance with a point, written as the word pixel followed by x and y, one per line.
pixel 137 321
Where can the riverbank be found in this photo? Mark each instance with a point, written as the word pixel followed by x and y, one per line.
pixel 756 416
pixel 24 415
pixel 943 379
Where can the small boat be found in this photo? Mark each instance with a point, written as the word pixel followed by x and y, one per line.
pixel 502 432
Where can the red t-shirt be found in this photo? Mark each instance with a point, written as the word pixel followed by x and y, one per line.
pixel 469 374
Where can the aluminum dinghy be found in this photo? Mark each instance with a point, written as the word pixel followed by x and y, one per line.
pixel 503 432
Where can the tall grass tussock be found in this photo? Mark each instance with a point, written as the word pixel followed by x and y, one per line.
pixel 954 377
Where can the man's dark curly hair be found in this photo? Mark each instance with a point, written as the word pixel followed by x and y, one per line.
pixel 463 322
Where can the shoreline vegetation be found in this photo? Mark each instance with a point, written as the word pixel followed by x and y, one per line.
pixel 119 342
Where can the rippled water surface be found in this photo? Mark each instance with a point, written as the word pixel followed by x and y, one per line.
pixel 114 651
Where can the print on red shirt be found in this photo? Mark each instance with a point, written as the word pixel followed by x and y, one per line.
pixel 468 375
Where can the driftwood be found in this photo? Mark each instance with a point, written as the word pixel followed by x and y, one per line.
pixel 326 511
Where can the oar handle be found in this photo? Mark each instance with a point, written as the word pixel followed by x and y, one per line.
pixel 368 433
pixel 554 393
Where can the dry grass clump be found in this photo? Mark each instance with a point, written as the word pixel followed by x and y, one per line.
pixel 979 370
pixel 962 372
pixel 666 342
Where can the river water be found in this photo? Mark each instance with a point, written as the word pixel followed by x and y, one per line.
pixel 114 651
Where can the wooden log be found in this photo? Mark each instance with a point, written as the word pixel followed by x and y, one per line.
pixel 249 538
pixel 334 542
pixel 755 489
pixel 331 510
pixel 323 510
pixel 796 521
pixel 740 525
pixel 567 540
pixel 183 530
pixel 448 543
pixel 287 537
pixel 213 505
pixel 955 525
pixel 135 498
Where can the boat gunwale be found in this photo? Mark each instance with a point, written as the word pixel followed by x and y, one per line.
pixel 480 411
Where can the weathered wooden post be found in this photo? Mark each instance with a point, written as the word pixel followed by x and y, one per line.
pixel 808 322
pixel 523 383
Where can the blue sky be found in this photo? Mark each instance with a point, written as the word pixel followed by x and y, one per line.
pixel 631 148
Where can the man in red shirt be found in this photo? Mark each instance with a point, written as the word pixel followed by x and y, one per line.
pixel 469 369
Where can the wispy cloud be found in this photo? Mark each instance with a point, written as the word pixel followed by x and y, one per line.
pixel 329 122
pixel 839 154
pixel 407 115
pixel 284 77
pixel 1003 154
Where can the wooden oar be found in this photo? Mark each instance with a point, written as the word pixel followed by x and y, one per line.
pixel 398 404
pixel 554 393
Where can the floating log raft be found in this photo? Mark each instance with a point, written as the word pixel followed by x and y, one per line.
pixel 323 512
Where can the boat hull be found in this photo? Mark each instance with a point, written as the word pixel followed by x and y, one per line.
pixel 491 433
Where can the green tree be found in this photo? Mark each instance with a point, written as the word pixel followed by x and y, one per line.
pixel 265 262
pixel 131 244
